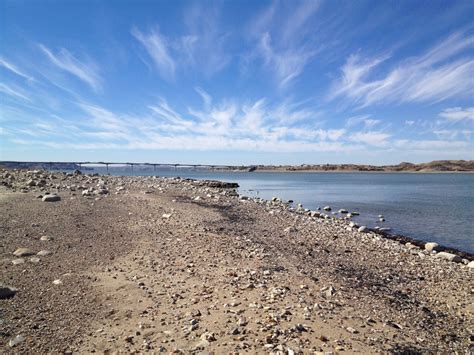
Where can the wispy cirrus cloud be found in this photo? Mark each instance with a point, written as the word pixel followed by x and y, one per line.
pixel 158 48
pixel 442 72
pixel 202 47
pixel 281 42
pixel 14 69
pixel 12 92
pixel 86 71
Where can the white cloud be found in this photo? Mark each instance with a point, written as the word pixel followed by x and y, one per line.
pixel 204 95
pixel 205 46
pixel 373 138
pixel 434 76
pixel 458 113
pixel 86 71
pixel 11 92
pixel 157 47
pixel 15 70
pixel 363 119
pixel 282 45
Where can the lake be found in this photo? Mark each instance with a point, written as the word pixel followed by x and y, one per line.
pixel 431 207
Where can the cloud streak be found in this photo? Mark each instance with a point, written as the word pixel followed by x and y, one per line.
pixel 438 74
pixel 85 71
pixel 15 70
pixel 157 47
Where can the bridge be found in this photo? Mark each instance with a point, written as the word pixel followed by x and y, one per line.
pixel 80 164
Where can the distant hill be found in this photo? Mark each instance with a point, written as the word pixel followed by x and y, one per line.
pixel 434 166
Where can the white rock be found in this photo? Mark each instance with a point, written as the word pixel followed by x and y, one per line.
pixel 57 282
pixel 46 238
pixel 51 198
pixel 449 257
pixel 432 246
pixel 362 229
pixel 327 208
pixel 44 253
pixel 166 215
pixel 471 265
pixel 23 252
pixel 16 340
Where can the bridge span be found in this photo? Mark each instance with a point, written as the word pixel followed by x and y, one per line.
pixel 81 164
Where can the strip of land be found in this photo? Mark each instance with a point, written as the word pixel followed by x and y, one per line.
pixel 149 264
pixel 437 166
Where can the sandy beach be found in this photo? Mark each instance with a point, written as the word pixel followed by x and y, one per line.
pixel 150 265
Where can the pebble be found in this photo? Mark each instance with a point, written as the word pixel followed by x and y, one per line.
pixel 18 261
pixel 51 198
pixel 16 340
pixel 7 291
pixel 46 238
pixel 34 260
pixel 23 252
pixel 57 282
pixel 449 257
pixel 362 229
pixel 471 265
pixel 44 253
pixel 166 215
pixel 327 208
pixel 432 246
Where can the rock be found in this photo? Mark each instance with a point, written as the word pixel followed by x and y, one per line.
pixel 18 261
pixel 34 260
pixel 355 213
pixel 362 229
pixel 290 229
pixel 352 330
pixel 46 238
pixel 57 282
pixel 381 219
pixel 342 210
pixel 449 257
pixel 44 253
pixel 432 246
pixel 31 182
pixel 166 215
pixel 51 198
pixel 7 292
pixel 471 265
pixel 16 340
pixel 329 292
pixel 327 208
pixel 23 252
pixel 381 216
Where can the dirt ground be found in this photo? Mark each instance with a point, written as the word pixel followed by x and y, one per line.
pixel 165 265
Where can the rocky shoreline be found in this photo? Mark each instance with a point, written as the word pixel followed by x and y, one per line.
pixel 148 264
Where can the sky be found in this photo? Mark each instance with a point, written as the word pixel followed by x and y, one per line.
pixel 237 82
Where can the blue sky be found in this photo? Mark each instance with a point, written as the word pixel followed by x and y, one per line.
pixel 237 82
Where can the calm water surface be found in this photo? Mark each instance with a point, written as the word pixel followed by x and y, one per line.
pixel 433 207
